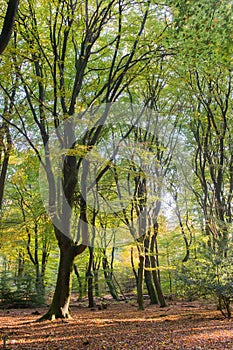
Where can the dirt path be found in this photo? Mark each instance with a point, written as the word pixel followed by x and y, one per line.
pixel 120 326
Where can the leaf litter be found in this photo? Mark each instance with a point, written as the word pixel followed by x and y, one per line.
pixel 180 325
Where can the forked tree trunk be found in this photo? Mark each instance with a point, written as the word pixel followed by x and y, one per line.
pixel 158 287
pixel 150 287
pixel 108 277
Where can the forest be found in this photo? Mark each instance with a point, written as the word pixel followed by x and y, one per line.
pixel 116 171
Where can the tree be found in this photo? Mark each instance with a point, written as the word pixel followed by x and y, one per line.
pixel 35 221
pixel 6 142
pixel 8 24
pixel 24 214
pixel 5 136
pixel 61 71
pixel 206 88
pixel 207 76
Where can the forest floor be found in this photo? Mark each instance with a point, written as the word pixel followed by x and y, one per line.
pixel 180 325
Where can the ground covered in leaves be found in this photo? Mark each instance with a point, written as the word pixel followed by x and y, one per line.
pixel 181 325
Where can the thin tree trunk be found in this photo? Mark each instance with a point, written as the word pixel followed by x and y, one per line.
pixel 119 286
pixel 8 24
pixel 6 150
pixel 40 288
pixel 155 242
pixel 91 302
pixel 148 274
pixel 21 263
pixel 133 267
pixel 108 278
pixel 140 283
pixel 169 272
pixel 80 286
pixel 89 277
pixel 96 282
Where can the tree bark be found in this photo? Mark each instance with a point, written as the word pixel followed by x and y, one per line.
pixel 59 307
pixel 21 266
pixel 89 277
pixel 96 282
pixel 140 283
pixel 148 274
pixel 161 298
pixel 80 286
pixel 108 278
pixel 6 149
pixel 150 287
pixel 8 24
pixel 133 267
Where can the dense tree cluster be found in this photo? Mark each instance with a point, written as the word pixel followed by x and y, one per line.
pixel 116 150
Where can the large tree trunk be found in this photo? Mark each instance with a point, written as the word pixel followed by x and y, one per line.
pixel 68 248
pixel 150 287
pixel 148 274
pixel 158 287
pixel 59 307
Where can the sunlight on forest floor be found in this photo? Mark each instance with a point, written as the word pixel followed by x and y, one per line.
pixel 181 325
